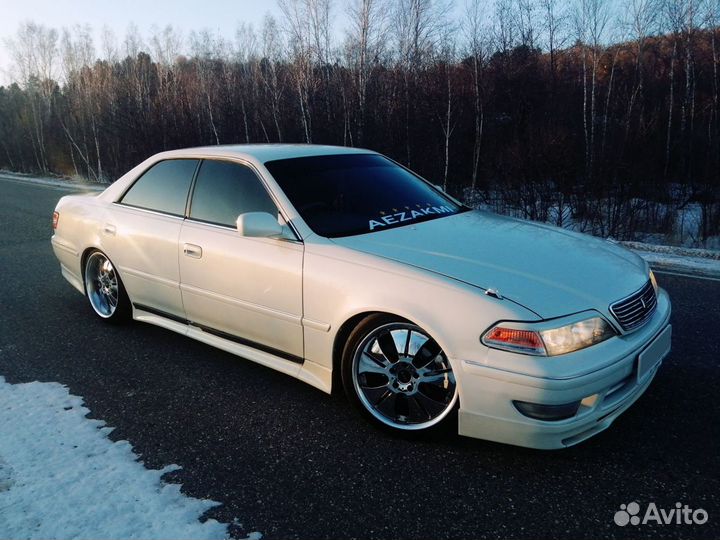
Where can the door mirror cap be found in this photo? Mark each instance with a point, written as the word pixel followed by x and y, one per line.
pixel 258 224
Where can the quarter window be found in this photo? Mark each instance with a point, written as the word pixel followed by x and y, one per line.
pixel 224 190
pixel 164 187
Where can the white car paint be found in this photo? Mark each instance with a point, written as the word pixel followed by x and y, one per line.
pixel 300 295
pixel 549 270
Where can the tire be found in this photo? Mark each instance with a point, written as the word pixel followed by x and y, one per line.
pixel 105 290
pixel 406 388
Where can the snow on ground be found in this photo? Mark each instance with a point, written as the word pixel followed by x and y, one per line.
pixel 62 477
pixel 692 253
pixel 78 183
pixel 681 264
pixel 697 262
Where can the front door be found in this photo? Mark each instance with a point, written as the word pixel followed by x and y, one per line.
pixel 246 289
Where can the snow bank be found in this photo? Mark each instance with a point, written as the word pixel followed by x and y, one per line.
pixel 681 264
pixel 61 477
pixel 697 262
pixel 76 183
pixel 674 250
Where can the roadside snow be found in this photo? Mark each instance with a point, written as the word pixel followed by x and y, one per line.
pixel 697 262
pixel 674 250
pixel 61 477
pixel 80 184
pixel 681 264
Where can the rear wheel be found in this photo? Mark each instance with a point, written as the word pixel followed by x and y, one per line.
pixel 104 289
pixel 397 375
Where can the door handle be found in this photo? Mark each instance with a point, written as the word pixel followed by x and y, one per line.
pixel 191 250
pixel 109 229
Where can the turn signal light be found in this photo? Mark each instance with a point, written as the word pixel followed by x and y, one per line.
pixel 515 340
pixel 56 218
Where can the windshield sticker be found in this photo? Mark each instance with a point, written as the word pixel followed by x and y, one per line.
pixel 409 215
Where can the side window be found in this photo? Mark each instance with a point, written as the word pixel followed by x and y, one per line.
pixel 224 190
pixel 164 187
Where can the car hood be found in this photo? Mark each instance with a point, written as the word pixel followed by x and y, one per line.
pixel 548 270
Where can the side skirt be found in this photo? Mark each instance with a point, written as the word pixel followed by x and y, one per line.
pixel 224 335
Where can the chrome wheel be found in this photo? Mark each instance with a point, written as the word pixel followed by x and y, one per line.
pixel 101 284
pixel 403 378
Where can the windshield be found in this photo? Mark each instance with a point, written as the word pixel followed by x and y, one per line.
pixel 349 194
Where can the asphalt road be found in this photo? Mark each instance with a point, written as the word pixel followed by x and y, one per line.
pixel 291 462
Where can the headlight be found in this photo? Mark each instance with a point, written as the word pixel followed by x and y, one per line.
pixel 549 341
pixel 576 336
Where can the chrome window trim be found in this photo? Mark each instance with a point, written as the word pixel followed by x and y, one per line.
pixel 234 229
pixel 148 210
pixel 263 182
pixel 120 197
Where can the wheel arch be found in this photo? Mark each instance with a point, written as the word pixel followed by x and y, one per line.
pixel 342 335
pixel 83 259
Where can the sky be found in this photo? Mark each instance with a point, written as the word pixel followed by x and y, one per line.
pixel 185 15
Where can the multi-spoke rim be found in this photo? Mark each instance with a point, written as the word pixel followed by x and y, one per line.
pixel 101 284
pixel 403 378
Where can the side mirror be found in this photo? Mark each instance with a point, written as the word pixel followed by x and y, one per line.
pixel 258 224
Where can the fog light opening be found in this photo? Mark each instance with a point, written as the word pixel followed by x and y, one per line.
pixel 590 401
pixel 548 413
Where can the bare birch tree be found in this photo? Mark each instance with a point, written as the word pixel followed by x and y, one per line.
pixel 504 26
pixel 525 16
pixel 590 21
pixel 681 17
pixel 34 52
pixel 207 48
pixel 554 13
pixel 78 52
pixel 446 58
pixel 641 20
pixel 166 44
pixel 272 47
pixel 476 29
pixel 418 25
pixel 364 46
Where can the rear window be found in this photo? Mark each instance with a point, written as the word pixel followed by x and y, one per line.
pixel 164 187
pixel 350 194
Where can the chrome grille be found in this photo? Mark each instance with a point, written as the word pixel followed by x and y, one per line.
pixel 636 309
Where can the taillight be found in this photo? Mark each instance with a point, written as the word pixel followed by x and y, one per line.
pixel 56 218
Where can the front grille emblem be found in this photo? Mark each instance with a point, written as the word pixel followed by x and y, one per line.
pixel 636 309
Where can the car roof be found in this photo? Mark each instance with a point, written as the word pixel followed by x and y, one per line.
pixel 267 152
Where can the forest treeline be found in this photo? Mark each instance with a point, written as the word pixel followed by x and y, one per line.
pixel 593 114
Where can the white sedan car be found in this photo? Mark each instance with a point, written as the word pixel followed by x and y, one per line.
pixel 339 266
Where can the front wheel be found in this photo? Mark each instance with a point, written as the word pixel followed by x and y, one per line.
pixel 104 289
pixel 397 375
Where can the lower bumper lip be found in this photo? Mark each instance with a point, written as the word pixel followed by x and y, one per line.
pixel 538 409
pixel 548 435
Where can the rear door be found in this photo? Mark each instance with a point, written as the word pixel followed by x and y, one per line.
pixel 142 232
pixel 244 289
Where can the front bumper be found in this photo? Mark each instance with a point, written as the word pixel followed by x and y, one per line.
pixel 608 385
